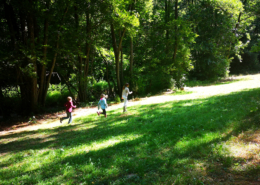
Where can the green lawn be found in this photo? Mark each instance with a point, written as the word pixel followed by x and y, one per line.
pixel 178 142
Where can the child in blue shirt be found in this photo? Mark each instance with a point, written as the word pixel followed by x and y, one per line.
pixel 103 104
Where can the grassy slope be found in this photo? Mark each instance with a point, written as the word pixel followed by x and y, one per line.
pixel 198 141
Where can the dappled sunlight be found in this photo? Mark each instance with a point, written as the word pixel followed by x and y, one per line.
pixel 95 146
pixel 198 92
pixel 246 148
pixel 193 138
pixel 186 142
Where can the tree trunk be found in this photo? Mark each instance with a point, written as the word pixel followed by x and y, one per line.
pixel 12 25
pixel 54 58
pixel 84 73
pixel 131 61
pixel 32 78
pixel 43 85
pixel 176 30
pixel 167 18
pixel 121 67
pixel 117 52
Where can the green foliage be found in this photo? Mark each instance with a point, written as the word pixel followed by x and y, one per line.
pixel 99 88
pixel 216 40
pixel 256 47
pixel 117 99
pixel 182 40
pixel 249 62
pixel 57 95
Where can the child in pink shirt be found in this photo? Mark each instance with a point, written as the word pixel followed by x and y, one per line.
pixel 69 105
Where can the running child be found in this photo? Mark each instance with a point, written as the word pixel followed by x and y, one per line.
pixel 69 105
pixel 125 93
pixel 103 104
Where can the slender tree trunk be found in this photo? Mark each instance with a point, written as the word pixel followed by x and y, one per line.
pixel 80 72
pixel 88 43
pixel 131 61
pixel 83 81
pixel 92 66
pixel 236 27
pixel 117 52
pixel 114 83
pixel 121 67
pixel 54 58
pixel 32 79
pixel 107 75
pixel 176 30
pixel 167 18
pixel 108 81
pixel 42 85
pixel 22 22
pixel 11 21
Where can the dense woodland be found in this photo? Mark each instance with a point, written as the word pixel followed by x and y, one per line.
pixel 95 46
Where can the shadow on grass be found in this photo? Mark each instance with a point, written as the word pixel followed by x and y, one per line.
pixel 158 144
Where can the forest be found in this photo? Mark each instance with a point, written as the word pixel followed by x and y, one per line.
pixel 50 49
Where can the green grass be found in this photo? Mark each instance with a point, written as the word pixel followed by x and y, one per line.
pixel 194 83
pixel 176 142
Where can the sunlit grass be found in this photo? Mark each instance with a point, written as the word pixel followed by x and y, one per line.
pixel 184 141
pixel 194 83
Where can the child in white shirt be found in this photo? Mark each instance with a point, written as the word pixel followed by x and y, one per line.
pixel 125 93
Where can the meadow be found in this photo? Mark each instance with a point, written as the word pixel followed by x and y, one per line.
pixel 207 140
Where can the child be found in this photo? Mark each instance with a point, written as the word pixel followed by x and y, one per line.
pixel 103 104
pixel 125 93
pixel 69 105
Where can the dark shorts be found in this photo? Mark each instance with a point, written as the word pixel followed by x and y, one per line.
pixel 104 111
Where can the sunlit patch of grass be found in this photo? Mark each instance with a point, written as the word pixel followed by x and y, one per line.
pixel 195 83
pixel 180 92
pixel 245 149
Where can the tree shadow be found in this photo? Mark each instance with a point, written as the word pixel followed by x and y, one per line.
pixel 156 142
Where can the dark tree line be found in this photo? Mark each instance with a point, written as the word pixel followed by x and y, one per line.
pixel 151 44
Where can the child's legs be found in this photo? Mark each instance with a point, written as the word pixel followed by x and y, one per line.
pixel 104 112
pixel 70 117
pixel 125 101
pixel 66 117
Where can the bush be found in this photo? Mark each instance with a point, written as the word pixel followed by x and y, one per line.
pixel 249 63
pixel 99 88
pixel 56 98
pixel 117 99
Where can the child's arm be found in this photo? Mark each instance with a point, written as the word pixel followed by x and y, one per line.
pixel 129 91
pixel 99 105
pixel 106 103
pixel 73 106
pixel 122 94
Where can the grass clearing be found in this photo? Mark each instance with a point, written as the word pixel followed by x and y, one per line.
pixel 195 83
pixel 207 140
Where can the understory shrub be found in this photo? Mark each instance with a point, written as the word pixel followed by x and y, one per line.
pixel 56 96
pixel 99 88
pixel 249 62
pixel 117 99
